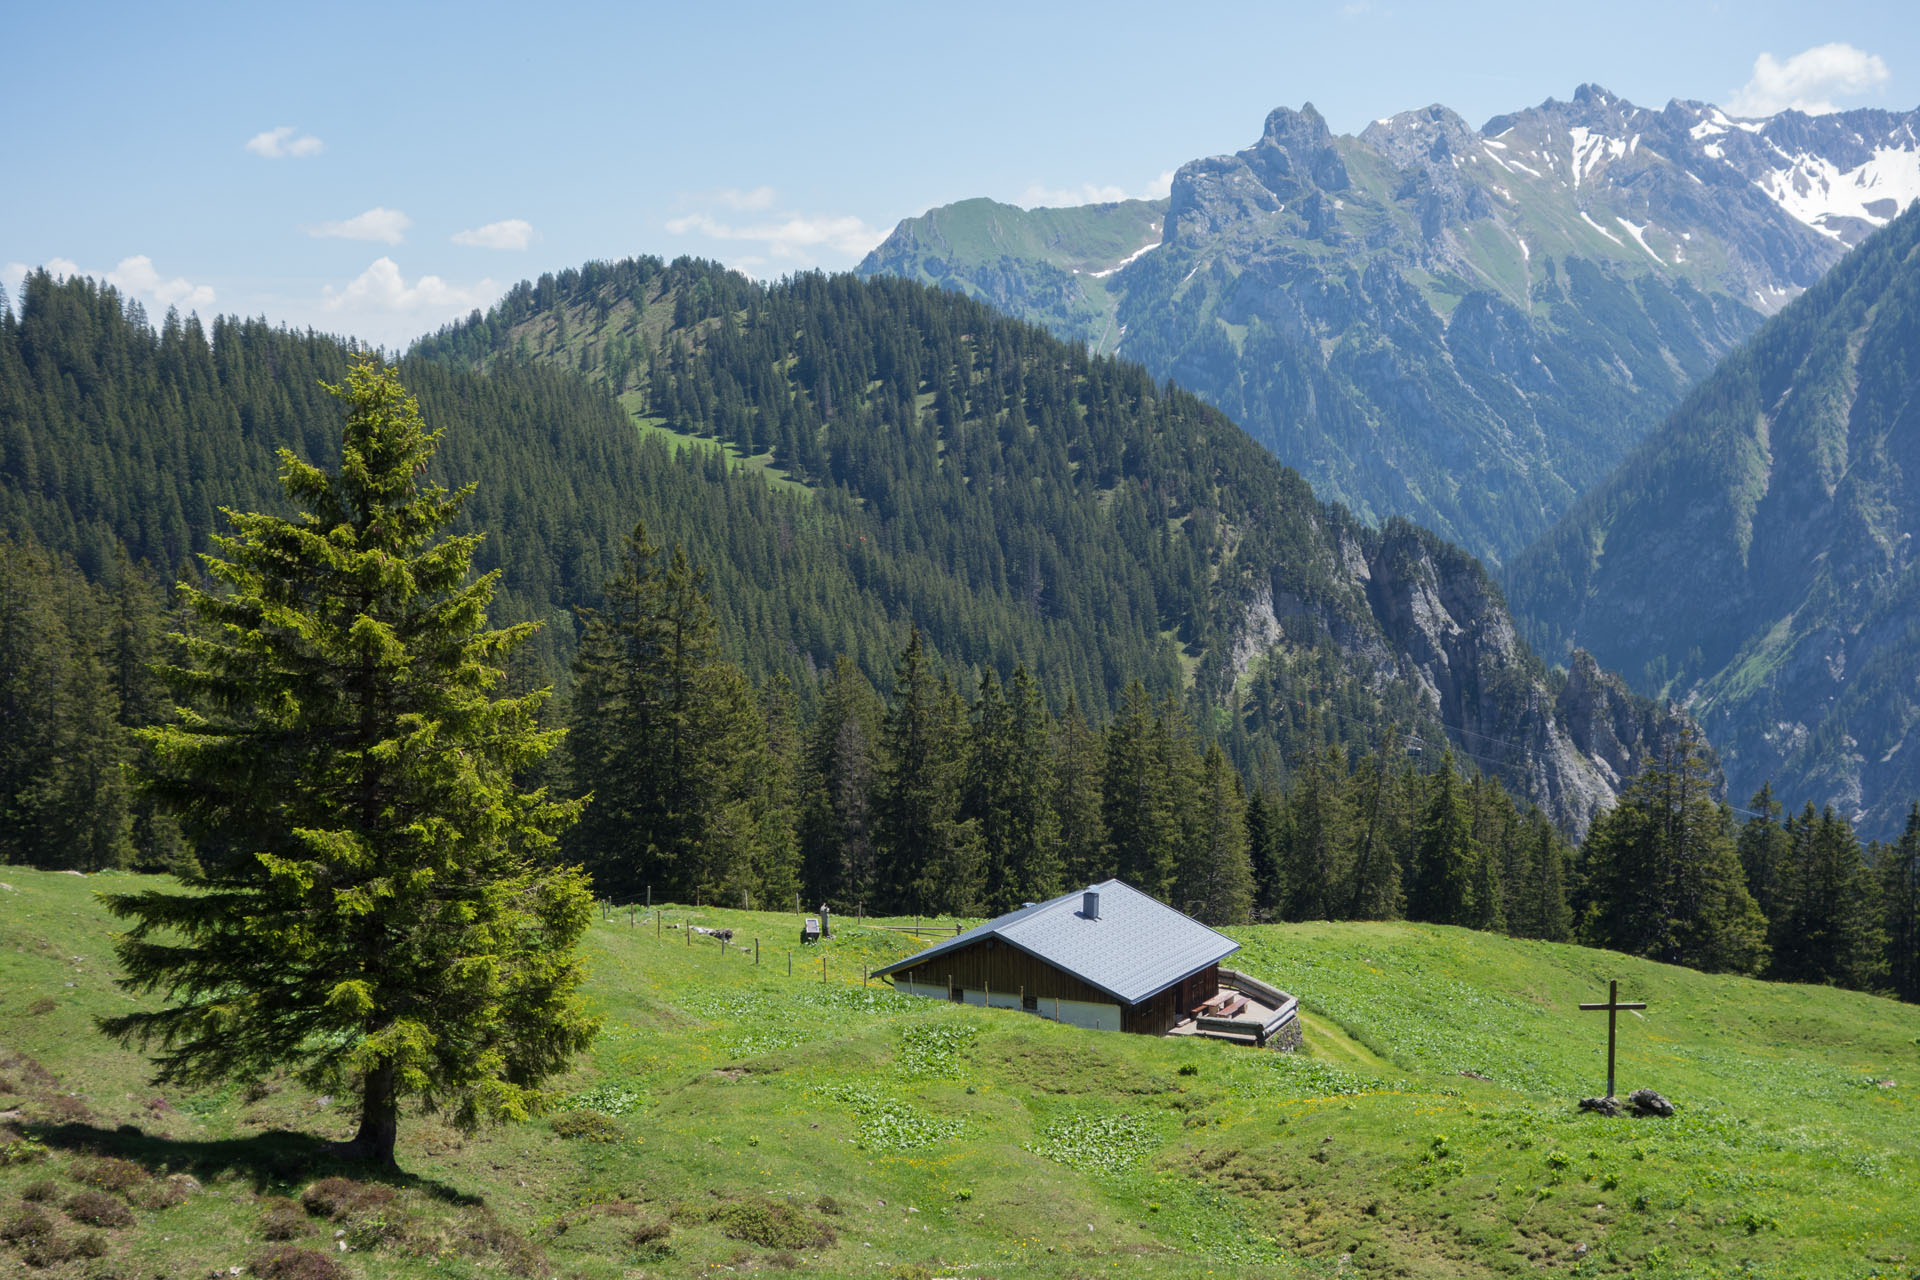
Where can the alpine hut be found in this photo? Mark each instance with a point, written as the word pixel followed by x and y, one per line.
pixel 1108 957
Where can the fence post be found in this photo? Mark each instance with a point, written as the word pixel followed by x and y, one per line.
pixel 823 966
pixel 789 962
pixel 756 951
pixel 656 922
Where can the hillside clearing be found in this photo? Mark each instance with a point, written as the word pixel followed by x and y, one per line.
pixel 733 1116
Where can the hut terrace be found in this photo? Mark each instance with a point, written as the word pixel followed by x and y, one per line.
pixel 1108 958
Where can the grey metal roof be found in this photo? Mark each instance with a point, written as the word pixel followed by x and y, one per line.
pixel 1138 946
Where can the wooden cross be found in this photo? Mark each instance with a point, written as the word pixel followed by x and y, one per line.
pixel 1613 1008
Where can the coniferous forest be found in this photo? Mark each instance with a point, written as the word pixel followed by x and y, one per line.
pixel 906 728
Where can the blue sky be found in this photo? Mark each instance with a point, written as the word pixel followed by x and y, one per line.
pixel 378 170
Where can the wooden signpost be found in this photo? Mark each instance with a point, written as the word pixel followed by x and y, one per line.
pixel 1613 1008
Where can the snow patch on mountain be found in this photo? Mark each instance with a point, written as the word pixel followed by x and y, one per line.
pixel 1819 193
pixel 1639 234
pixel 1129 259
pixel 1591 149
pixel 1602 230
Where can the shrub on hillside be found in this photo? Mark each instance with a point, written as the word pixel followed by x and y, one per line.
pixel 26 1224
pixel 282 1219
pixel 98 1209
pixel 109 1173
pixel 519 1255
pixel 589 1126
pixel 771 1224
pixel 289 1263
pixel 164 1193
pixel 339 1198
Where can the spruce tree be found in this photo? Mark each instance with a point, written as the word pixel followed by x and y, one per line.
pixel 1377 892
pixel 385 920
pixel 1444 856
pixel 837 792
pixel 1079 774
pixel 1663 875
pixel 1828 927
pixel 928 856
pixel 1216 880
pixel 1765 853
pixel 1137 798
pixel 1317 836
pixel 1900 905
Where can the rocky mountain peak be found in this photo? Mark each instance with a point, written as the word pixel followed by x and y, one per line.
pixel 1296 148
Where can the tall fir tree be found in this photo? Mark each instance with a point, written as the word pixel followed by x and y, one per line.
pixel 1216 879
pixel 387 921
pixel 1444 856
pixel 1137 798
pixel 1828 927
pixel 928 855
pixel 1662 877
pixel 1900 906
pixel 1379 786
pixel 1766 853
pixel 1317 837
pixel 838 860
pixel 666 735
pixel 1009 793
pixel 1078 781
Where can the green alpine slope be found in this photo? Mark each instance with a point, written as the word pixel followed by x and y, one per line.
pixel 737 1116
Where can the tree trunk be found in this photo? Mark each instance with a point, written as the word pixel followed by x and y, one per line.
pixel 379 1121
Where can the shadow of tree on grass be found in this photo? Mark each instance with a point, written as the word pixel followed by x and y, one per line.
pixel 275 1161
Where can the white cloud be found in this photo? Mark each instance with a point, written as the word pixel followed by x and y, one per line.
pixel 735 198
pixel 1808 81
pixel 1038 195
pixel 387 225
pixel 134 277
pixel 278 144
pixel 381 288
pixel 513 233
pixel 788 239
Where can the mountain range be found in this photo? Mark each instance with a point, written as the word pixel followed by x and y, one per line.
pixel 1466 327
pixel 1755 556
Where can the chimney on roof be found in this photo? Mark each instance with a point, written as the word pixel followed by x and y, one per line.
pixel 1090 904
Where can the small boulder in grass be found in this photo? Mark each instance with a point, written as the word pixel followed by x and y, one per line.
pixel 1645 1102
pixel 1607 1106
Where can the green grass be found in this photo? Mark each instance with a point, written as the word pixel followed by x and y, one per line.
pixel 761 464
pixel 733 1116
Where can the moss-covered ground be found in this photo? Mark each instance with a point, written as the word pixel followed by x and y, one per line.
pixel 734 1118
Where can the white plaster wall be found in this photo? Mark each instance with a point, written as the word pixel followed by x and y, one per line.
pixel 1079 1013
pixel 1082 1013
pixel 1001 999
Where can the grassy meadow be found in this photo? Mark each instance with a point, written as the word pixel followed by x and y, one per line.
pixel 733 1118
